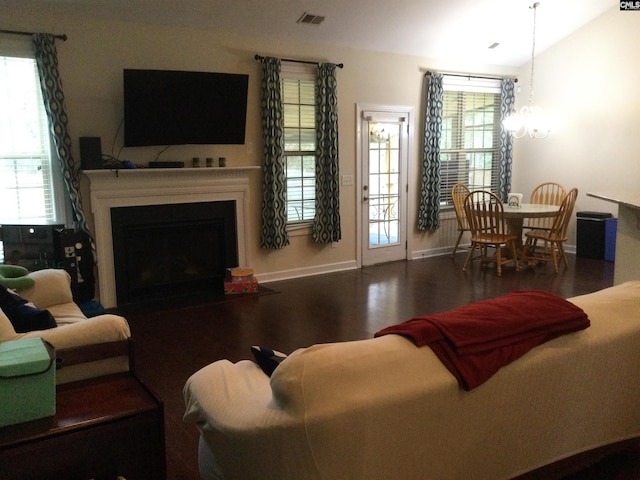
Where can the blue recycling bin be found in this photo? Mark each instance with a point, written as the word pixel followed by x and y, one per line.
pixel 610 231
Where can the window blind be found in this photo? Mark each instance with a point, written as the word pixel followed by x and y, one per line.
pixel 298 95
pixel 470 141
pixel 26 183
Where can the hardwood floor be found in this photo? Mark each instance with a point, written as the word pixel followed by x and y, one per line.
pixel 171 344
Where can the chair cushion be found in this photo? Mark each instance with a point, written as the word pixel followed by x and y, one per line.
pixel 51 287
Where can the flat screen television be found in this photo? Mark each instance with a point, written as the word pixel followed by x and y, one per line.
pixel 167 107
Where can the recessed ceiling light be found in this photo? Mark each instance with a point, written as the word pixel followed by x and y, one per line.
pixel 311 19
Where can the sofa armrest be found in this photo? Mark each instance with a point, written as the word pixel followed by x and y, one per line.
pixel 52 287
pixel 101 329
pixel 89 348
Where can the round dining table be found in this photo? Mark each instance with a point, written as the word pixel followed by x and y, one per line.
pixel 515 216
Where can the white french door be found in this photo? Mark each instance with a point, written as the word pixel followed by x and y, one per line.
pixel 384 133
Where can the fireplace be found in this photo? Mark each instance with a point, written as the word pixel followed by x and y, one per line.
pixel 173 250
pixel 150 187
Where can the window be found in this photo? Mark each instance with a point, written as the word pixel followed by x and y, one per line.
pixel 298 96
pixel 26 179
pixel 470 141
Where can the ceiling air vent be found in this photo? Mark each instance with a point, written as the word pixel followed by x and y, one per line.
pixel 311 19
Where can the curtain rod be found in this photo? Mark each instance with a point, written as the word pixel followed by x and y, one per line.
pixel 468 75
pixel 62 37
pixel 260 57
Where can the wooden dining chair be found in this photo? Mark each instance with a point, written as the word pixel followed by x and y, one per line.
pixel 548 193
pixel 458 193
pixel 552 239
pixel 485 213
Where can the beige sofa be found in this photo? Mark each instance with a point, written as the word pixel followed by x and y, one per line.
pixel 383 408
pixel 85 347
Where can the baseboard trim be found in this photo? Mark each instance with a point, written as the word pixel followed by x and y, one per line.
pixel 306 272
pixel 434 252
pixel 353 265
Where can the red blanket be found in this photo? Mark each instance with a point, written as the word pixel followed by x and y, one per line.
pixel 476 340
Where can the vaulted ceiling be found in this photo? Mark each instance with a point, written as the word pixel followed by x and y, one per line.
pixel 456 30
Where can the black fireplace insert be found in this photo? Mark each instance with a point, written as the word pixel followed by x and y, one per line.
pixel 172 250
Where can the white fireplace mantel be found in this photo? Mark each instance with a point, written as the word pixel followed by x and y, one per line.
pixel 160 186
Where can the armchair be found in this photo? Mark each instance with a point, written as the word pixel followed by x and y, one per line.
pixel 85 347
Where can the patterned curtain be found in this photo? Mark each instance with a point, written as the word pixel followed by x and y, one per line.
pixel 53 97
pixel 507 101
pixel 326 224
pixel 274 190
pixel 429 207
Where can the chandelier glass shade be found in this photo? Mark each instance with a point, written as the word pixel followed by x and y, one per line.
pixel 530 120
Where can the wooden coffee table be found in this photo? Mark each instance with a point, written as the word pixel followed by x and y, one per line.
pixel 103 428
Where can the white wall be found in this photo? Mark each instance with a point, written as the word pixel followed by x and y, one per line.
pixel 571 77
pixel 590 81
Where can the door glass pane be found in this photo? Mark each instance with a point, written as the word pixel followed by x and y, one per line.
pixel 384 178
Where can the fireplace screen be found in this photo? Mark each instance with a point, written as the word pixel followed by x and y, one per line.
pixel 163 251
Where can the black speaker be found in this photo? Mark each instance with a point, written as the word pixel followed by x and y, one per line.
pixel 90 153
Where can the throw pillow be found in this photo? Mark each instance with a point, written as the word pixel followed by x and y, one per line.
pixel 22 316
pixel 267 359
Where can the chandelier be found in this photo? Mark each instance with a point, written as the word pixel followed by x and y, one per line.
pixel 530 120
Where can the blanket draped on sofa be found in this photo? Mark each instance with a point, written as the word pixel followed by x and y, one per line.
pixel 476 340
